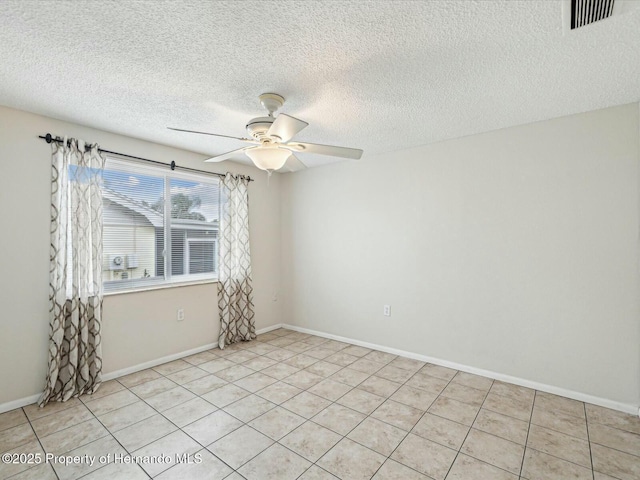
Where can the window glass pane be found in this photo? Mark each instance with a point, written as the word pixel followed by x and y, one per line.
pixel 159 226
pixel 194 226
pixel 177 252
pixel 201 257
pixel 133 231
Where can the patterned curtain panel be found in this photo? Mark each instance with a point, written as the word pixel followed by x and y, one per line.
pixel 235 293
pixel 75 288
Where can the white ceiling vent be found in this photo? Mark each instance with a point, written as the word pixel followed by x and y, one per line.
pixel 580 13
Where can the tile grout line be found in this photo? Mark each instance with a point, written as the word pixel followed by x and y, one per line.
pixel 368 416
pixel 280 405
pixel 560 458
pixel 469 431
pixel 586 421
pixel 489 433
pixel 275 442
pixel 335 402
pixel 558 431
pixel 562 433
pixel 568 434
pixel 29 421
pixel 169 420
pixel 526 440
pixel 527 447
pixel 41 446
pixel 421 417
pixel 236 401
pixel 450 381
pixel 235 430
pixel 110 432
pixel 554 429
pixel 529 426
pixel 38 438
pixel 181 429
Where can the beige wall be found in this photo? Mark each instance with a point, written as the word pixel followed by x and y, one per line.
pixel 514 251
pixel 138 327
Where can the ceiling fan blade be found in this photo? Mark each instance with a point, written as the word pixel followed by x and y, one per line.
pixel 294 164
pixel 248 140
pixel 332 150
pixel 226 156
pixel 285 127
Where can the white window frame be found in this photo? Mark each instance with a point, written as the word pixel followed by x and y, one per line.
pixel 166 281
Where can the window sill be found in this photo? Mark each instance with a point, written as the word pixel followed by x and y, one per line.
pixel 160 287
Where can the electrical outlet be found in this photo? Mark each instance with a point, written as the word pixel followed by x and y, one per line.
pixel 180 314
pixel 274 298
pixel 387 310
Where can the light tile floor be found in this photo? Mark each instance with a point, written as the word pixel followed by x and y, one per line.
pixel 296 406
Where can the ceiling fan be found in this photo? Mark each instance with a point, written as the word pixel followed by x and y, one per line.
pixel 271 146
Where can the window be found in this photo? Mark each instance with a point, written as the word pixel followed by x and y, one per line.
pixel 159 226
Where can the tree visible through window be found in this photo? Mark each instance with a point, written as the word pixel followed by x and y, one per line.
pixel 182 206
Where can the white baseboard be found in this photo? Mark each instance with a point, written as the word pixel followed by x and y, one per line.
pixel 582 397
pixel 269 328
pixel 175 356
pixel 23 402
pixel 155 362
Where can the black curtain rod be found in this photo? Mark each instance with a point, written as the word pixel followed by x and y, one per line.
pixel 49 138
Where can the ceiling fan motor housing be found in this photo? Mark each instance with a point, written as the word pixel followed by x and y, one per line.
pixel 271 101
pixel 258 127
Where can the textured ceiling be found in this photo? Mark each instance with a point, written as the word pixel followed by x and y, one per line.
pixel 377 75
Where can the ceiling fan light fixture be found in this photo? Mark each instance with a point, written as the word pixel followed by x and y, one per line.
pixel 268 157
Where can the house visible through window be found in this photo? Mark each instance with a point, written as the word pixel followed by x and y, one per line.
pixel 159 226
